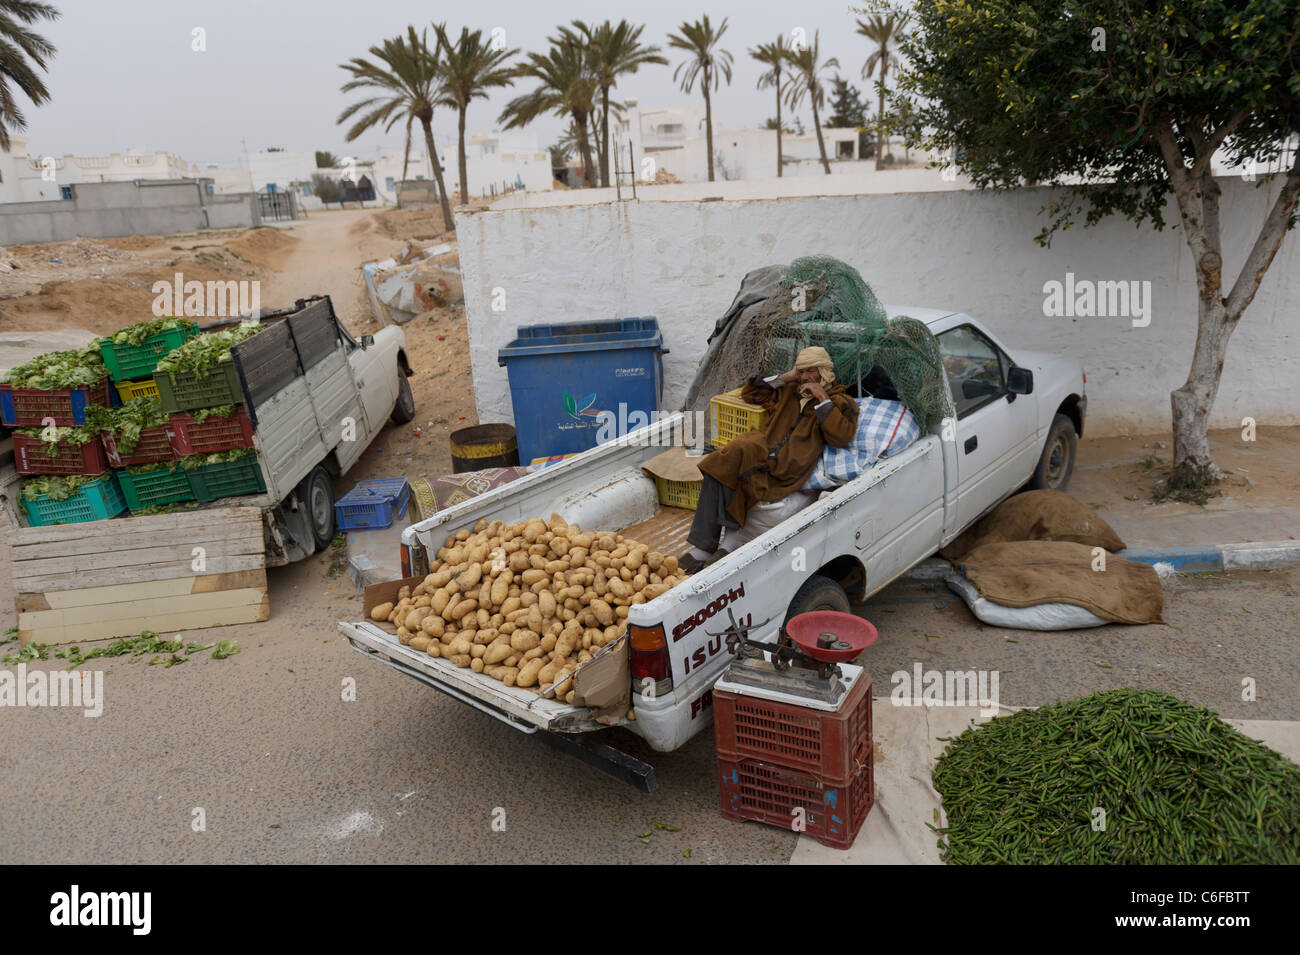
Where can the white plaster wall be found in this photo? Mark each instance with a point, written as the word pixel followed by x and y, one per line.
pixel 968 251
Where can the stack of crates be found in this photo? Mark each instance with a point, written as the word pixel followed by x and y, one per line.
pixel 782 763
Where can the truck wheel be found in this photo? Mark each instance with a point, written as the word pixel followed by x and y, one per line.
pixel 1057 463
pixel 317 494
pixel 818 593
pixel 404 410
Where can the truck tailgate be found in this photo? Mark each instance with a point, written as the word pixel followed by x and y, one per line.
pixel 525 711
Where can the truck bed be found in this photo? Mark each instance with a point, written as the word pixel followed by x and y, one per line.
pixel 665 532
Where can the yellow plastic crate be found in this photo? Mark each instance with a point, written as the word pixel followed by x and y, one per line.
pixel 678 493
pixel 730 417
pixel 136 389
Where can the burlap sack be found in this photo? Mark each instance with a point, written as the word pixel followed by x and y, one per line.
pixel 1027 573
pixel 1036 515
pixel 674 465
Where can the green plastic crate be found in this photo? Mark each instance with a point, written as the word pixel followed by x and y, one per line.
pixel 95 500
pixel 153 488
pixel 227 479
pixel 187 391
pixel 137 361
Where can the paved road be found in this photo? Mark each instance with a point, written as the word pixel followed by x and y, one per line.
pixel 286 771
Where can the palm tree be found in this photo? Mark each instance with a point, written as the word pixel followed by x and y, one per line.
pixel 699 40
pixel 407 75
pixel 567 87
pixel 882 31
pixel 470 67
pixel 804 66
pixel 17 46
pixel 613 50
pixel 774 56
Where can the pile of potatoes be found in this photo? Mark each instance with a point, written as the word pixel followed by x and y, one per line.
pixel 528 603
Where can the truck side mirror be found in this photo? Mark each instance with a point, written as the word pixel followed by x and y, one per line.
pixel 1020 381
pixel 367 341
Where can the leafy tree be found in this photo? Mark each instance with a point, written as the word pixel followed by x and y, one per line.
pixel 612 50
pixel 560 152
pixel 408 77
pixel 18 46
pixel 327 189
pixel 806 65
pixel 775 59
pixel 847 108
pixel 470 67
pixel 325 160
pixel 1121 103
pixel 884 31
pixel 567 86
pixel 704 61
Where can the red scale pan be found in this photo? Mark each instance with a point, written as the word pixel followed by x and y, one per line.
pixel 828 636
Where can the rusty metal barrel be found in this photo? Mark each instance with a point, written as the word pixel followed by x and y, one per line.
pixel 483 446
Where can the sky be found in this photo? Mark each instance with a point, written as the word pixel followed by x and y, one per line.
pixel 126 74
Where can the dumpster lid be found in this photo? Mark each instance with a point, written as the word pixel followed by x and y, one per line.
pixel 604 335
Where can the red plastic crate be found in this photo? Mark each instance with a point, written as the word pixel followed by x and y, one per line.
pixel 152 447
pixel 32 457
pixel 811 740
pixel 215 434
pixel 29 407
pixel 833 810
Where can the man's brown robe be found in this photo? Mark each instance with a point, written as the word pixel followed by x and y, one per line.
pixel 743 463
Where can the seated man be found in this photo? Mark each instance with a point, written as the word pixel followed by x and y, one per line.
pixel 807 411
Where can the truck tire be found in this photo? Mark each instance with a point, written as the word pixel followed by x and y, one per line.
pixel 316 493
pixel 1057 461
pixel 404 409
pixel 818 593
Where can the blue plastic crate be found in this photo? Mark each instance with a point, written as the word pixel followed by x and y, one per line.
pixel 567 380
pixel 373 504
pixel 96 500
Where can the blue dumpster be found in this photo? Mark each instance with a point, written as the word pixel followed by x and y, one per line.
pixel 574 382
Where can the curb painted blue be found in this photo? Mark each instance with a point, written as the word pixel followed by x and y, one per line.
pixel 1185 560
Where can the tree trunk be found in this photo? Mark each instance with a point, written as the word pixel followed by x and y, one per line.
pixel 880 123
pixel 821 143
pixel 1192 402
pixel 708 122
pixel 464 175
pixel 778 125
pixel 584 147
pixel 447 222
pixel 602 147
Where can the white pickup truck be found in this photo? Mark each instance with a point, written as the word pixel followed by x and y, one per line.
pixel 1019 416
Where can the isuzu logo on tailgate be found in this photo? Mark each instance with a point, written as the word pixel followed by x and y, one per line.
pixel 718 603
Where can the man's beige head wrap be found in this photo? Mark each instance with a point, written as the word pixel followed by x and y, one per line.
pixel 816 357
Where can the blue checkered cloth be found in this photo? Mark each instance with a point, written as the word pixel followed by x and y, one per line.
pixel 884 428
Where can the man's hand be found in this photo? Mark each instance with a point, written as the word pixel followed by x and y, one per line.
pixel 790 376
pixel 815 390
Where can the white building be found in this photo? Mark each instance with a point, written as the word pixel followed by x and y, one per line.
pixel 29 177
pixel 498 162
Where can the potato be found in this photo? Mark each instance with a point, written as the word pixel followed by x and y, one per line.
pixel 404 592
pixel 501 587
pixel 462 535
pixel 528 675
pixel 553 629
pixel 485 636
pixel 512 660
pixel 548 642
pixel 565 643
pixel 612 633
pixel 519 561
pixel 510 606
pixel 547 673
pixel 403 636
pixel 581 540
pixel 546 604
pixel 509 675
pixel 533 530
pixel 524 640
pixel 583 657
pixel 441 598
pixel 476 665
pixel 560 546
pixel 619 589
pixel 449 611
pixel 620 613
pixel 433 625
pixel 497 652
pixel 461 645
pixel 421 642
pixel 382 611
pixel 532 576
pixel 603 612
pixel 536 653
pixel 470 577
pixel 434 649
pixel 555 567
pixel 477 650
pixel 569 697
pixel 461 659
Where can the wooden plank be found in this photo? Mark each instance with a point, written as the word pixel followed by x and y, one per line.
pixel 130 538
pixel 106 576
pixel 182 555
pixel 155 523
pixel 132 609
pixel 141 590
pixel 665 532
pixel 252 612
